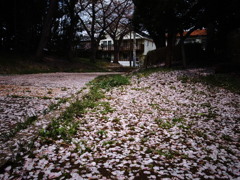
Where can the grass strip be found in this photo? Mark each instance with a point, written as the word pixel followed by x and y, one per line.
pixel 109 81
pixel 66 126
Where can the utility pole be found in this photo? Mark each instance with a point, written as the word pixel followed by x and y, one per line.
pixel 134 49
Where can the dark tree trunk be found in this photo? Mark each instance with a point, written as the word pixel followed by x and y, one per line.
pixel 94 48
pixel 93 41
pixel 183 53
pixel 170 45
pixel 159 39
pixel 116 51
pixel 117 45
pixel 71 28
pixel 46 28
pixel 210 40
pixel 181 44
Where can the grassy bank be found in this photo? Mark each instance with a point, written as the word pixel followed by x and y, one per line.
pixel 11 64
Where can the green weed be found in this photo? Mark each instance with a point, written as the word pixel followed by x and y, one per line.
pixel 169 154
pixel 178 120
pixel 131 139
pixel 65 127
pixel 167 124
pixel 45 97
pixel 109 143
pixel 102 133
pixel 184 79
pixel 107 108
pixel 226 137
pixel 108 82
pixel 53 106
pixel 16 96
pixel 149 71
pixel 201 134
pixel 149 150
pixel 116 120
pixel 145 139
pixel 154 106
pixel 163 124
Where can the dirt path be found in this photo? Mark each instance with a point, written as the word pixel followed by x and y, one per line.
pixel 24 96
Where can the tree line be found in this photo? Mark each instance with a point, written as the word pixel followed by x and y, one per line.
pixel 39 26
pixel 167 19
pixel 36 26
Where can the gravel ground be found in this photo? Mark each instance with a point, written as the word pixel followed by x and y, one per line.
pixel 159 128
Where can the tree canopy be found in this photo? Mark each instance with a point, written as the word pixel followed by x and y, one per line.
pixel 22 24
pixel 164 16
pixel 56 26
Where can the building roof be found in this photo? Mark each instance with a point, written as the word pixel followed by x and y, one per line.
pixel 198 32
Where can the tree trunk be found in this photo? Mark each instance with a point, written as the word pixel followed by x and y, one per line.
pixel 116 51
pixel 181 43
pixel 94 47
pixel 170 44
pixel 159 40
pixel 71 29
pixel 93 41
pixel 184 59
pixel 46 28
pixel 70 45
pixel 117 45
pixel 210 40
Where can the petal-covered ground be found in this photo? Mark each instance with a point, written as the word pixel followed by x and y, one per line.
pixel 25 99
pixel 157 127
pixel 23 96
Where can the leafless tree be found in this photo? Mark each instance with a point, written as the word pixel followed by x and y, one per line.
pixel 120 24
pixel 94 20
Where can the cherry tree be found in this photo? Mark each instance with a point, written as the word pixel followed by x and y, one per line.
pixel 120 24
pixel 94 20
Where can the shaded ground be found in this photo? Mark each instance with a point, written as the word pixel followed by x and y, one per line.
pixel 28 96
pixel 10 64
pixel 160 126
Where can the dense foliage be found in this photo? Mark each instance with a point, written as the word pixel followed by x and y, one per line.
pixel 21 23
pixel 56 26
pixel 161 17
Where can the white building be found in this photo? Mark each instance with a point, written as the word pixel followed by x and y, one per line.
pixel 144 44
